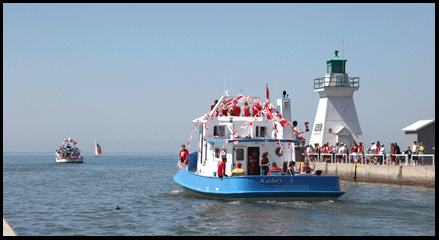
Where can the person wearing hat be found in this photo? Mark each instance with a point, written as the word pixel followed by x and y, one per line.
pixel 238 170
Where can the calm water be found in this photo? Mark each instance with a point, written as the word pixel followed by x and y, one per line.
pixel 41 197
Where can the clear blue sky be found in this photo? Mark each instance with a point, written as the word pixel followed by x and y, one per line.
pixel 134 76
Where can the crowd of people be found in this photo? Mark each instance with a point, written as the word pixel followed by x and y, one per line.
pixel 340 153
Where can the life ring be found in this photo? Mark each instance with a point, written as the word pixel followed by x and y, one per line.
pixel 278 152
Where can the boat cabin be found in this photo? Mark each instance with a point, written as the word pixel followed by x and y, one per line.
pixel 243 139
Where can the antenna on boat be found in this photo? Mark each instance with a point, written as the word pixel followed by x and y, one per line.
pixel 343 48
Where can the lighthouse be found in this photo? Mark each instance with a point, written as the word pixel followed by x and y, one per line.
pixel 336 118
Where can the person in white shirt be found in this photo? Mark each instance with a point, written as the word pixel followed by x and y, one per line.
pixel 342 150
pixel 383 151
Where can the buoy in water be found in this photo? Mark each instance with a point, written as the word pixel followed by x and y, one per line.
pixel 117 207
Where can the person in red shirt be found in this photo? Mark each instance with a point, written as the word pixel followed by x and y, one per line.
pixel 306 168
pixel 256 110
pixel 184 155
pixel 213 105
pixel 222 167
pixel 273 167
pixel 236 110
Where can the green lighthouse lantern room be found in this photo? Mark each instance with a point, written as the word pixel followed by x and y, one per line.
pixel 336 64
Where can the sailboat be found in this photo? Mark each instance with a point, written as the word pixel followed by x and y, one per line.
pixel 98 150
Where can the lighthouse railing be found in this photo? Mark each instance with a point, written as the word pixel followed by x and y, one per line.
pixel 336 82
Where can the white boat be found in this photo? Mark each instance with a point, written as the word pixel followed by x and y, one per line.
pixel 243 139
pixel 68 152
pixel 98 150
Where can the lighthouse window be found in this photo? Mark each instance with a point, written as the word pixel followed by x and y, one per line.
pixel 318 128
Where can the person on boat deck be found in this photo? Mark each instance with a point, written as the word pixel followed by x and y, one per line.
pixel 296 131
pixel 236 110
pixel 290 170
pixel 246 109
pixel 264 163
pixel 306 168
pixel 274 167
pixel 184 154
pixel 284 167
pixel 274 133
pixel 256 110
pixel 238 170
pixel 222 167
pixel 214 104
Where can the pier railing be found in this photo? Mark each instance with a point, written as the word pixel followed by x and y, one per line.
pixel 376 159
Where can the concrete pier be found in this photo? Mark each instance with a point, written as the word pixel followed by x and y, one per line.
pixel 396 174
pixel 7 229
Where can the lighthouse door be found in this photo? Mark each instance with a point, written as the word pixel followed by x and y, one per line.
pixel 240 155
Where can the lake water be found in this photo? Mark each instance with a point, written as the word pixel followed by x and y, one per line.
pixel 41 197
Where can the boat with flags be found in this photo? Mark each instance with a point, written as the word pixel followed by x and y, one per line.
pixel 98 150
pixel 68 152
pixel 242 140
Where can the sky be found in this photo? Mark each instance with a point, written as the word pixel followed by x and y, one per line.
pixel 134 76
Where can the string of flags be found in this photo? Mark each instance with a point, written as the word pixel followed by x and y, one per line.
pixel 267 108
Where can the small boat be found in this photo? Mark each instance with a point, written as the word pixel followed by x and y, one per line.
pixel 98 150
pixel 242 139
pixel 68 152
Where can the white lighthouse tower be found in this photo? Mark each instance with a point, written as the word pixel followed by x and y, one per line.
pixel 336 118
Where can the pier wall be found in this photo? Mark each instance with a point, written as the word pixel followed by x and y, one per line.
pixel 7 229
pixel 397 174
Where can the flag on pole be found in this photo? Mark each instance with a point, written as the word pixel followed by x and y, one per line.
pixel 268 94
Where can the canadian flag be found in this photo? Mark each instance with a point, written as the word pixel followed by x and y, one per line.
pixel 226 142
pixel 190 137
pixel 284 123
pixel 188 144
pixel 268 95
pixel 306 125
pixel 235 134
pixel 303 138
pixel 222 152
pixel 245 126
pixel 240 98
pixel 205 126
pixel 235 142
pixel 195 129
pixel 296 130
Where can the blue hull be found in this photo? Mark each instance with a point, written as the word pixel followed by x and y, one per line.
pixel 297 187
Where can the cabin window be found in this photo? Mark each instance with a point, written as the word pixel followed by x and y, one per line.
pixel 219 131
pixel 218 152
pixel 240 154
pixel 261 132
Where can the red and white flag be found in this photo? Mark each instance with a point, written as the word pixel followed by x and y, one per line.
pixel 180 165
pixel 205 126
pixel 268 94
pixel 188 144
pixel 226 142
pixel 235 134
pixel 303 138
pixel 236 142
